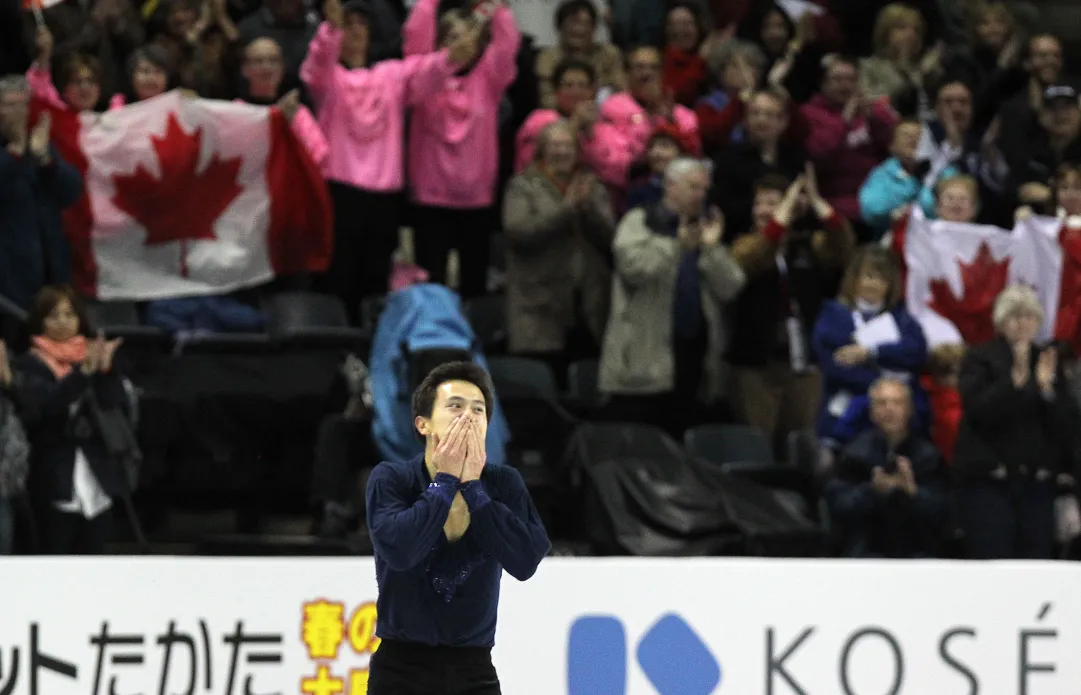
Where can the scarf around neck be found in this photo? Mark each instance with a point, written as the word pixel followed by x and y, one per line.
pixel 59 357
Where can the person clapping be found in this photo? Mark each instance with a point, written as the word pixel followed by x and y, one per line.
pixel 65 374
pixel 1017 435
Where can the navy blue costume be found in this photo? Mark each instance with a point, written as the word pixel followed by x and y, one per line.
pixel 438 600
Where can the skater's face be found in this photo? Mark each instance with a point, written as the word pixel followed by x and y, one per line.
pixel 454 398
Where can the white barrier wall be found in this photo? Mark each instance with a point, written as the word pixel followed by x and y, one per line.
pixel 157 626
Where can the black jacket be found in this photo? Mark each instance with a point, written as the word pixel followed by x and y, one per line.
pixel 736 170
pixel 1006 426
pixel 895 525
pixel 58 421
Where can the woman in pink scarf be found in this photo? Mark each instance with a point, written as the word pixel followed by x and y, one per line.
pixel 73 480
pixel 361 110
pixel 453 149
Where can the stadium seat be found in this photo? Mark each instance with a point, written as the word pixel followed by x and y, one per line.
pixel 199 343
pixel 582 391
pixel 121 320
pixel 803 450
pixel 311 320
pixel 538 422
pixel 732 447
pixel 370 310
pixel 488 317
pixel 744 450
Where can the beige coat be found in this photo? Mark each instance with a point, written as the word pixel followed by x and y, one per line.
pixel 553 253
pixel 637 358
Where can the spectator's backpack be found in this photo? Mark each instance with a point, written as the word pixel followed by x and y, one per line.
pixel 421 327
pixel 14 451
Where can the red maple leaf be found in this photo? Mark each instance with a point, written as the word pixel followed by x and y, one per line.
pixel 982 280
pixel 184 203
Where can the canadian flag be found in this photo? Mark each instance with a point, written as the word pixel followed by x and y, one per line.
pixel 955 272
pixel 30 5
pixel 186 196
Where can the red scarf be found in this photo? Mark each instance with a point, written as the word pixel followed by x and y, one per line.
pixel 60 358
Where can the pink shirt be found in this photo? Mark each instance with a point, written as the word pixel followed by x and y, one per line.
pixel 363 111
pixel 602 150
pixel 636 126
pixel 42 87
pixel 453 137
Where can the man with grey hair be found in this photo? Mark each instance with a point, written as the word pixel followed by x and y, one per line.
pixel 888 496
pixel 662 351
pixel 35 185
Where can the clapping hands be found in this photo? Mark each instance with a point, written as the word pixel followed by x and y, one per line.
pixel 99 355
pixel 580 189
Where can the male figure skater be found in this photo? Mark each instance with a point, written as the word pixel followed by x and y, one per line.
pixel 444 527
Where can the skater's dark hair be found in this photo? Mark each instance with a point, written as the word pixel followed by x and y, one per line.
pixel 470 372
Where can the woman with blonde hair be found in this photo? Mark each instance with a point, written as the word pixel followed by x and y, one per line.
pixel 895 70
pixel 1017 437
pixel 864 334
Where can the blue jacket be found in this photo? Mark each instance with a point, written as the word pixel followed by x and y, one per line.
pixel 849 385
pixel 419 317
pixel 33 250
pixel 888 187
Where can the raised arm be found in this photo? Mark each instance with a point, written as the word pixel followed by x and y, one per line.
pixel 499 62
pixel 42 87
pixel 404 532
pixel 310 135
pixel 419 31
pixel 511 529
pixel 426 75
pixel 317 70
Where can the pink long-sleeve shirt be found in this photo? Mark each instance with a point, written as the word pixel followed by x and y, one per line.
pixel 845 152
pixel 363 111
pixel 635 126
pixel 453 137
pixel 602 150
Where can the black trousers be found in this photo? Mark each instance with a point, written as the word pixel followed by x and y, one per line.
pixel 365 237
pixel 438 230
pixel 679 409
pixel 70 533
pixel 1008 520
pixel 403 668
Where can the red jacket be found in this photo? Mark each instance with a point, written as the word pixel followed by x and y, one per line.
pixel 946 415
pixel 685 75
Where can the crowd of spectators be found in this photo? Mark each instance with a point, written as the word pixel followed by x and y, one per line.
pixel 712 204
